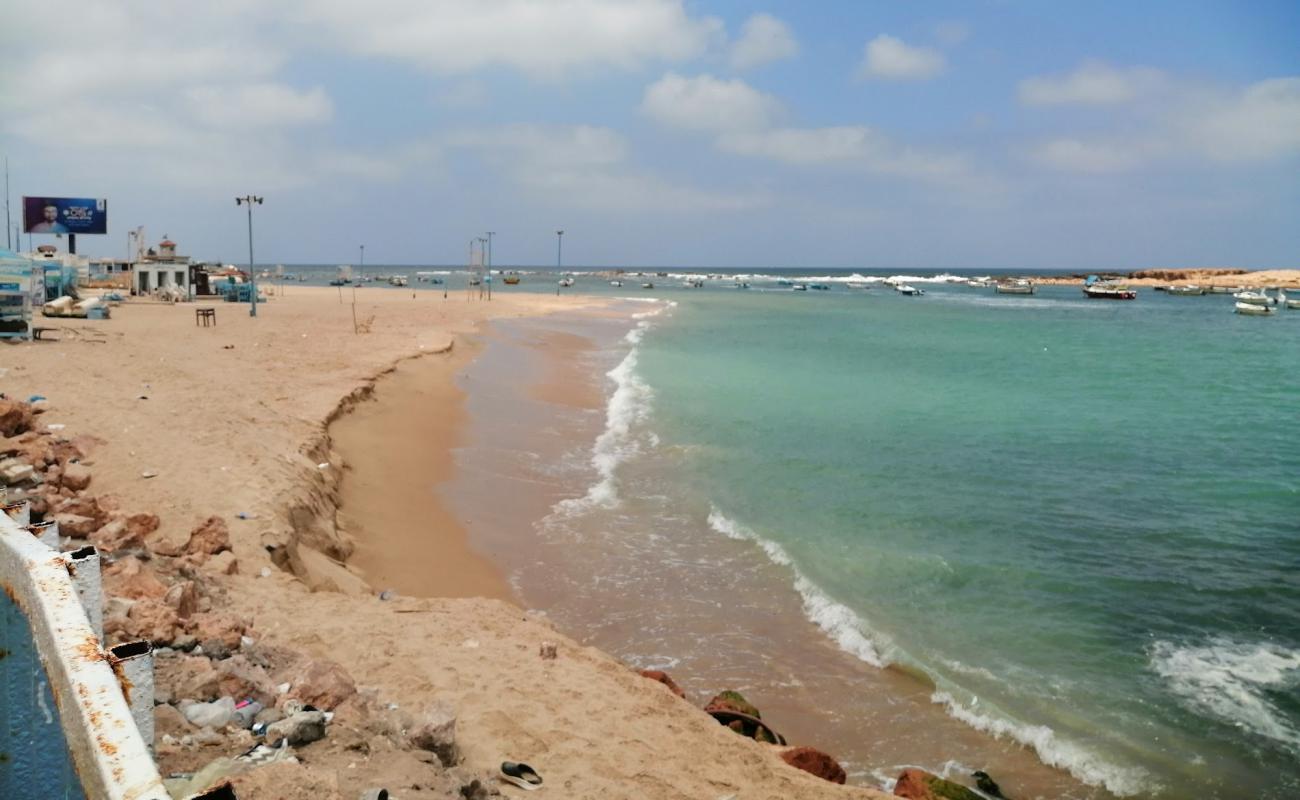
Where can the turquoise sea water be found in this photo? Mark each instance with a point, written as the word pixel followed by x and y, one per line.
pixel 1080 518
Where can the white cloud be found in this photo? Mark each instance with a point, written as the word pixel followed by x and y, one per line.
pixel 849 145
pixel 706 103
pixel 1260 122
pixel 763 39
pixel 888 58
pixel 1073 155
pixel 538 38
pixel 1092 83
pixel 261 105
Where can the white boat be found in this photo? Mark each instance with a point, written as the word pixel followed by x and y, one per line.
pixel 909 290
pixel 1260 298
pixel 647 285
pixel 397 280
pixel 1226 289
pixel 1191 290
pixel 1014 287
pixel 566 282
pixel 858 285
pixel 616 284
pixel 799 287
pixel 1254 310
pixel 1293 304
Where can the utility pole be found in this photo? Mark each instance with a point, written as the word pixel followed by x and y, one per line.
pixel 363 261
pixel 249 200
pixel 9 245
pixel 559 249
pixel 490 234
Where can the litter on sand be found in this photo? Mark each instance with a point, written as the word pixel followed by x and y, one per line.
pixel 521 775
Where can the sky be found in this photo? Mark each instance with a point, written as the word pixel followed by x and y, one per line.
pixel 980 134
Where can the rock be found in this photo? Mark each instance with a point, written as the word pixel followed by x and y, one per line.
pixel 216 714
pixel 436 732
pixel 142 525
pixel 985 783
pixel 76 477
pixel 211 626
pixel 116 536
pixel 210 538
pixel 130 578
pixel 152 620
pixel 238 677
pixel 83 506
pixel 662 677
pixel 918 784
pixel 14 472
pixel 184 598
pixel 75 525
pixel 298 729
pixel 15 417
pixel 189 676
pixel 268 715
pixel 323 684
pixel 810 759
pixel 735 701
pixel 167 721
pixel 207 737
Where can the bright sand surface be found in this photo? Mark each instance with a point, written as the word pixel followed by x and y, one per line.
pixel 1207 276
pixel 233 420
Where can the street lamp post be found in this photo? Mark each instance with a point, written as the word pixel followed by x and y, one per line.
pixel 490 234
pixel 559 249
pixel 363 261
pixel 249 200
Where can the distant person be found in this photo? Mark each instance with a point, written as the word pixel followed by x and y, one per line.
pixel 51 223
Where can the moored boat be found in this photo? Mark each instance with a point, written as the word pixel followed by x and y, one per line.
pixel 909 290
pixel 1095 289
pixel 1191 290
pixel 647 285
pixel 1014 287
pixel 1259 298
pixel 1252 310
pixel 511 278
pixel 566 282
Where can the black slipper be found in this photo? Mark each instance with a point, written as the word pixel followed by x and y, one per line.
pixel 521 775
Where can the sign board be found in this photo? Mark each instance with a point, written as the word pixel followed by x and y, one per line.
pixel 65 215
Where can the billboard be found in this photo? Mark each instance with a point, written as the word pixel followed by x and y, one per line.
pixel 65 215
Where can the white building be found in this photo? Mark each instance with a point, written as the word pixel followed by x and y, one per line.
pixel 162 269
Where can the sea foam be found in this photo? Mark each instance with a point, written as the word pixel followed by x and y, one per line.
pixel 836 619
pixel 846 628
pixel 1227 680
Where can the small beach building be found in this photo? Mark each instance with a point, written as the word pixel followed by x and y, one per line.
pixel 162 270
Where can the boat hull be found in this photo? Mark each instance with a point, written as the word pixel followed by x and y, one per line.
pixel 1110 294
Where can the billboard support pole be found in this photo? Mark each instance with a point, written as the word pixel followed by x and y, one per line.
pixel 72 243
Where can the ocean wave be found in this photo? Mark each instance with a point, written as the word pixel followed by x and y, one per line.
pixel 1052 750
pixel 1227 680
pixel 628 406
pixel 837 620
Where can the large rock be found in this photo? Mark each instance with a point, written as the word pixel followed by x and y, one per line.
pixel 75 526
pixel 662 677
pixel 323 684
pixel 75 476
pixel 240 678
pixel 211 626
pixel 189 677
pixel 301 728
pixel 83 506
pixel 918 784
pixel 183 597
pixel 168 721
pixel 810 759
pixel 209 538
pixel 436 732
pixel 153 620
pixel 15 417
pixel 216 714
pixel 131 578
pixel 121 534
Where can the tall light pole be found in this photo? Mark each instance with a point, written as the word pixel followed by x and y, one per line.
pixel 559 249
pixel 363 261
pixel 489 256
pixel 249 200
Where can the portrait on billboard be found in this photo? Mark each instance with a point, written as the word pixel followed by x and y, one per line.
pixel 65 215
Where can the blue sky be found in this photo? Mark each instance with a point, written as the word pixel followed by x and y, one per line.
pixel 835 134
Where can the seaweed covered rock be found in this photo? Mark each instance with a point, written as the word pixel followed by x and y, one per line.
pixel 918 784
pixel 735 702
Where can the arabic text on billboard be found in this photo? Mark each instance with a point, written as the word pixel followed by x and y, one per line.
pixel 65 215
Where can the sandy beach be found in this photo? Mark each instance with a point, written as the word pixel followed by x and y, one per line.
pixel 233 421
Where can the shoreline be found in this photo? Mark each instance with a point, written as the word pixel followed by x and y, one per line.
pixel 544 371
pixel 174 435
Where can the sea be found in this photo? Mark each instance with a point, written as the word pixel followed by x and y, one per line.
pixel 1051 537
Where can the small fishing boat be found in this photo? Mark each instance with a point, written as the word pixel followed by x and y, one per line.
pixel 858 285
pixel 1252 310
pixel 1014 287
pixel 909 290
pixel 1260 298
pixel 1095 289
pixel 784 282
pixel 743 285
pixel 647 285
pixel 616 284
pixel 799 287
pixel 820 287
pixel 397 280
pixel 1191 290
pixel 1226 289
pixel 566 282
pixel 511 278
